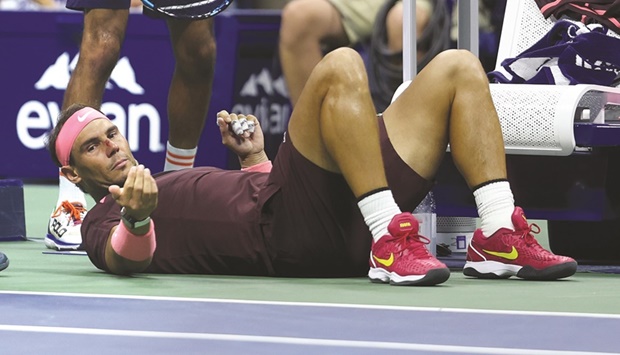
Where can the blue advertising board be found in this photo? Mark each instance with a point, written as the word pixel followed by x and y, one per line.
pixel 248 43
pixel 40 50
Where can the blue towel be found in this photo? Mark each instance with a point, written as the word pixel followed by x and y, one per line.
pixel 570 53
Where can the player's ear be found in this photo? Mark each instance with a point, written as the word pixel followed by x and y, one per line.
pixel 69 172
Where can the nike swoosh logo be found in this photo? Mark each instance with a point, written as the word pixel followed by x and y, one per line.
pixel 514 254
pixel 385 262
pixel 82 118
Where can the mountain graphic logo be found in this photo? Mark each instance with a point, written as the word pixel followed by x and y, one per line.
pixel 265 81
pixel 57 75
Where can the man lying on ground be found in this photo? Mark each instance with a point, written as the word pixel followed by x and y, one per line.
pixel 335 193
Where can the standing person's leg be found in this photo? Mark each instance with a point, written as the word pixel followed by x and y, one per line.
pixel 394 25
pixel 311 28
pixel 194 47
pixel 307 25
pixel 334 125
pixel 450 102
pixel 102 38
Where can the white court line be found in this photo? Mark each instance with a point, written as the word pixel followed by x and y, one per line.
pixel 294 341
pixel 326 305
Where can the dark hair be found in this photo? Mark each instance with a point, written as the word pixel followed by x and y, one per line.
pixel 63 116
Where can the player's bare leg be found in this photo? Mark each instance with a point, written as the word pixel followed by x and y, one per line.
pixel 449 101
pixel 334 125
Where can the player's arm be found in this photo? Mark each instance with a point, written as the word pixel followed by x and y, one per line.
pixel 131 244
pixel 243 136
pixel 121 265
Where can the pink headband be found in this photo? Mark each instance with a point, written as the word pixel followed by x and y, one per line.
pixel 71 129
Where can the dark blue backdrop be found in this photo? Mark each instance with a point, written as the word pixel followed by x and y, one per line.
pixel 39 52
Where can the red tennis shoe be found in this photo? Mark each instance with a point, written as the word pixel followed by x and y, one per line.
pixel 401 257
pixel 515 253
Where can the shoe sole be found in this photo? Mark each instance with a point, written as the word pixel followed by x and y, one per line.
pixel 431 278
pixel 495 270
pixel 51 243
pixel 554 272
pixel 490 270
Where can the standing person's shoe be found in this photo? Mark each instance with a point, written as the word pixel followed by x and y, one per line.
pixel 515 253
pixel 4 261
pixel 401 257
pixel 63 231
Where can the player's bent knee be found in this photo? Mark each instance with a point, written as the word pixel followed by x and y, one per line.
pixel 344 65
pixel 343 61
pixel 458 63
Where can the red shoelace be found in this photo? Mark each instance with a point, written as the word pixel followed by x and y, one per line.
pixel 414 243
pixel 75 210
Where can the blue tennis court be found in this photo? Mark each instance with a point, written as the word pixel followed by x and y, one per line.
pixel 163 325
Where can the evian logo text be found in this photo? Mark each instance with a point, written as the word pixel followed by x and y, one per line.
pixel 36 118
pixel 258 94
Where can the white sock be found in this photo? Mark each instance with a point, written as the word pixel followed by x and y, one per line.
pixel 495 204
pixel 378 210
pixel 67 191
pixel 177 158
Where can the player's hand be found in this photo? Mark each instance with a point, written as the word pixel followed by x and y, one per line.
pixel 139 193
pixel 240 133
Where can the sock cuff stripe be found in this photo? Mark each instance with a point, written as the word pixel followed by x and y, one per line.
pixel 488 183
pixel 181 157
pixel 179 163
pixel 372 192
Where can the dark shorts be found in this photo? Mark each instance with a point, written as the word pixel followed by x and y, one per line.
pixel 312 224
pixel 81 5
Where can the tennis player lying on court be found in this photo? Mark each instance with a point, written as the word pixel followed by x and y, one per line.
pixel 332 201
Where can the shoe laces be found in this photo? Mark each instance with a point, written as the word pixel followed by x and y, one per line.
pixel 413 243
pixel 75 210
pixel 528 235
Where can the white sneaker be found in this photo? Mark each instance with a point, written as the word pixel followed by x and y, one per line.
pixel 63 231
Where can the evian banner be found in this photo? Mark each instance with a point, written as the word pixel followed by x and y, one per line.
pixel 38 60
pixel 35 114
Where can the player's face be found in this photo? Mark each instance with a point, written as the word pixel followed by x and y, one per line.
pixel 101 154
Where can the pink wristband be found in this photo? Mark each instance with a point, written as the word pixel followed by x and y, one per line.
pixel 263 167
pixel 134 247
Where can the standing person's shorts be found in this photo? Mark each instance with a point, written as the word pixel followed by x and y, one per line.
pixel 312 224
pixel 358 17
pixel 81 5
